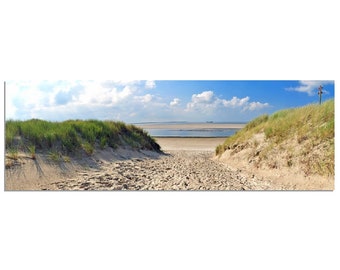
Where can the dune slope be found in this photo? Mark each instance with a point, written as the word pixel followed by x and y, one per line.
pixel 293 146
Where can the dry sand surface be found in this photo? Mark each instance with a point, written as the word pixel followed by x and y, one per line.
pixel 275 167
pixel 188 164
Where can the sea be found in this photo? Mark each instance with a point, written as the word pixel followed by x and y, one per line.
pixel 191 130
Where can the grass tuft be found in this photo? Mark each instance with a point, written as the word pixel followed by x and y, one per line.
pixel 54 156
pixel 13 154
pixel 88 148
pixel 31 150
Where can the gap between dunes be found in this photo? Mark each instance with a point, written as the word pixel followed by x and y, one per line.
pixel 188 164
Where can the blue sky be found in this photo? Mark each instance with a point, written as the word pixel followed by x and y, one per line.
pixel 145 101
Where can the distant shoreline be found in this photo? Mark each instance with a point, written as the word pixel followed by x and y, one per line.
pixel 189 143
pixel 189 137
pixel 191 126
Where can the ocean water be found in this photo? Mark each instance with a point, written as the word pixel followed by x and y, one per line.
pixel 201 133
pixel 200 130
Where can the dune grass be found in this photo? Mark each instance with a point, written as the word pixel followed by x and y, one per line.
pixel 311 126
pixel 71 136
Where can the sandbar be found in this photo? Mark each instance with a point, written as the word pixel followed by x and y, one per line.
pixel 191 126
pixel 188 144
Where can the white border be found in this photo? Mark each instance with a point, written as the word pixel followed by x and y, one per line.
pixel 169 40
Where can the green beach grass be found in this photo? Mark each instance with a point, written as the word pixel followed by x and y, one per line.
pixel 308 127
pixel 72 136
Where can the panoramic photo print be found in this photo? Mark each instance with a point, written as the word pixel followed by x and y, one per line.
pixel 169 135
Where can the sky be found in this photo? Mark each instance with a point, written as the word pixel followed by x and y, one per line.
pixel 157 100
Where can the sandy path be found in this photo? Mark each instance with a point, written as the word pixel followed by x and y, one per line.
pixel 186 169
pixel 178 170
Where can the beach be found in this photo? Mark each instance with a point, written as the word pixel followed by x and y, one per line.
pixel 185 164
pixel 189 144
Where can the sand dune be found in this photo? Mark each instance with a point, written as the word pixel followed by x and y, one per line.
pixel 187 164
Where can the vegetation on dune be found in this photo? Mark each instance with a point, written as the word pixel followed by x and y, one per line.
pixel 71 136
pixel 311 127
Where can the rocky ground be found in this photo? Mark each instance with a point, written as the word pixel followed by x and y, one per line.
pixel 176 170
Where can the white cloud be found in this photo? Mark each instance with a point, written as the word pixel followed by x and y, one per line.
pixel 205 101
pixel 208 102
pixel 175 102
pixel 144 99
pixel 309 87
pixel 235 102
pixel 127 92
pixel 56 99
pixel 125 100
pixel 150 84
pixel 96 93
pixel 11 108
pixel 252 106
pixel 24 97
pixel 203 97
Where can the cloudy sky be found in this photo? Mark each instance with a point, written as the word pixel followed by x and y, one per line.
pixel 144 101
